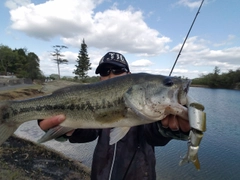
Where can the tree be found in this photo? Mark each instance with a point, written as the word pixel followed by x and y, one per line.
pixel 216 70
pixel 7 59
pixel 20 65
pixel 58 55
pixel 32 67
pixel 83 62
pixel 19 62
pixel 229 80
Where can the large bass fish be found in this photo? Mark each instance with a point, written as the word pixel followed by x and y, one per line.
pixel 117 103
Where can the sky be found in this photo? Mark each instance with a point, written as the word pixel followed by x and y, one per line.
pixel 149 33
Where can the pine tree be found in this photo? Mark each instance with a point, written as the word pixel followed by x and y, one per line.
pixel 83 62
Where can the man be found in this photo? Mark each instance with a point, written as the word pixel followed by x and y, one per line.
pixel 133 156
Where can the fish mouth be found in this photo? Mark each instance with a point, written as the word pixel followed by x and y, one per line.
pixel 178 107
pixel 183 91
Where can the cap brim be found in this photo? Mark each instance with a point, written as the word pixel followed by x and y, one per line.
pixel 111 63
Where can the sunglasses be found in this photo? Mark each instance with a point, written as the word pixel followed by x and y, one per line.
pixel 114 70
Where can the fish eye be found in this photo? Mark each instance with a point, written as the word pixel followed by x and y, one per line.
pixel 168 82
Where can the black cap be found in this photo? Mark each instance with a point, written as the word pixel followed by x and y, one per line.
pixel 112 58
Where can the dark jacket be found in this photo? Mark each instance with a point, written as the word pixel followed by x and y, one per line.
pixel 131 158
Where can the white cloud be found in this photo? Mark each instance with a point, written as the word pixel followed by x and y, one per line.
pixel 226 42
pixel 141 63
pixel 198 54
pixel 53 18
pixel 230 55
pixel 190 3
pixel 70 56
pixel 125 30
pixel 74 20
pixel 13 4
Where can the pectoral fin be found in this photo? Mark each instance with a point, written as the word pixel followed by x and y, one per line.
pixel 54 133
pixel 117 133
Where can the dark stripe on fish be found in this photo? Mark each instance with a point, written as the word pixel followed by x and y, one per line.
pixel 84 106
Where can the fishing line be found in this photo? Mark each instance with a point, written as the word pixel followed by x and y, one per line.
pixel 181 137
pixel 186 37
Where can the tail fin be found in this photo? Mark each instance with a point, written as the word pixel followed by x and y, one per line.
pixel 6 131
pixel 7 128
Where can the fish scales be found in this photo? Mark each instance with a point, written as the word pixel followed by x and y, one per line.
pixel 98 105
pixel 79 98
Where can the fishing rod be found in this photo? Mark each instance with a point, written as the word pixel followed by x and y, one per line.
pixel 186 37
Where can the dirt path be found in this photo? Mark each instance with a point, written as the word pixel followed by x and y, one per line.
pixel 24 160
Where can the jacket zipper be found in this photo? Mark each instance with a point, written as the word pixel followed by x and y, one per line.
pixel 113 161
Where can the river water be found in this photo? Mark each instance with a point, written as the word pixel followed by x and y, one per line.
pixel 219 153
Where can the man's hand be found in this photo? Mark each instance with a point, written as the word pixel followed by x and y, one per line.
pixel 175 123
pixel 52 122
